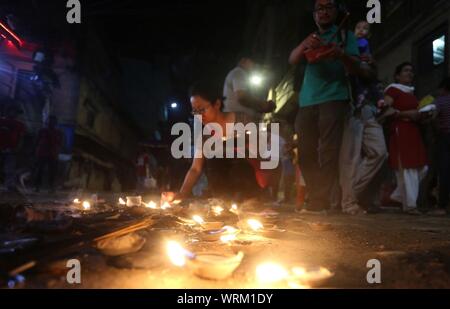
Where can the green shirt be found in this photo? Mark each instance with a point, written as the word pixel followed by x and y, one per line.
pixel 326 81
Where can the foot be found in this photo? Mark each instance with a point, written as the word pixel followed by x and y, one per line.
pixel 413 212
pixel 314 212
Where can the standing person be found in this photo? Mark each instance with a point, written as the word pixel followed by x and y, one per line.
pixel 443 120
pixel 236 92
pixel 406 149
pixel 364 150
pixel 49 144
pixel 11 135
pixel 142 169
pixel 324 103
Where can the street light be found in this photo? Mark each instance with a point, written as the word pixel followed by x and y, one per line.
pixel 174 105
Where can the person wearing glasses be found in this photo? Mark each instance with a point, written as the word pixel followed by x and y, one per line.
pixel 235 179
pixel 324 103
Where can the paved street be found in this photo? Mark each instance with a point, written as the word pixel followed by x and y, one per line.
pixel 414 252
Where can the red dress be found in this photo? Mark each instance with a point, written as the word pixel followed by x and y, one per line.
pixel 406 147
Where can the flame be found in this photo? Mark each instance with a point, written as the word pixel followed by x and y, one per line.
pixel 198 219
pixel 151 205
pixel 165 206
pixel 176 253
pixel 271 273
pixel 217 210
pixel 255 224
pixel 234 209
pixel 303 275
pixel 86 205
pixel 122 201
pixel 228 238
pixel 76 201
pixel 230 230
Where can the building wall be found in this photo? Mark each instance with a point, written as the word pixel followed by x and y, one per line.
pixel 101 122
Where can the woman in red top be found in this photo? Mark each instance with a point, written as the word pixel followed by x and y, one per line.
pixel 407 151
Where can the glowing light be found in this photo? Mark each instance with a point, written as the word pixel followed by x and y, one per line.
pixel 122 201
pixel 234 209
pixel 151 205
pixel 11 33
pixel 217 210
pixel 174 105
pixel 271 273
pixel 176 254
pixel 256 80
pixel 86 205
pixel 165 206
pixel 228 238
pixel 76 201
pixel 255 225
pixel 230 230
pixel 198 220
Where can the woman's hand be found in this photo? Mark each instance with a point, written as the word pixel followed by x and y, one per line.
pixel 172 197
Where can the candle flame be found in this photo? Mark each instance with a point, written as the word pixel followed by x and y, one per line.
pixel 198 219
pixel 86 205
pixel 176 253
pixel 234 209
pixel 151 205
pixel 122 201
pixel 165 206
pixel 271 273
pixel 76 201
pixel 255 224
pixel 217 210
pixel 228 238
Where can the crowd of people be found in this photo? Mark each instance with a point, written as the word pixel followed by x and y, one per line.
pixel 352 134
pixel 48 145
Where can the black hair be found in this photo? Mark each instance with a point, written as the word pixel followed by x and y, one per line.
pixel 400 68
pixel 208 90
pixel 445 84
pixel 255 57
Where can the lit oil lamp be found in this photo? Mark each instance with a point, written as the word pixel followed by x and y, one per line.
pixel 208 226
pixel 165 206
pixel 86 206
pixel 270 273
pixel 255 225
pixel 217 210
pixel 122 202
pixel 76 201
pixel 151 205
pixel 234 209
pixel 296 277
pixel 209 266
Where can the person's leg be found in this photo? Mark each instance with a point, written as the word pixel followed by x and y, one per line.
pixel 331 127
pixel 52 172
pixel 374 156
pixel 412 181
pixel 398 194
pixel 308 132
pixel 444 171
pixel 350 156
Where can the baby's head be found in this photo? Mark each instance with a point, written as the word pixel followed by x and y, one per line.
pixel 362 30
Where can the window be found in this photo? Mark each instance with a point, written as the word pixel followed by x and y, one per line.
pixel 439 51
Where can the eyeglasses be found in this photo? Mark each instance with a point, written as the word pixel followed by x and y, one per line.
pixel 200 111
pixel 322 9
